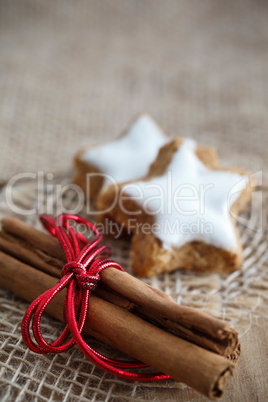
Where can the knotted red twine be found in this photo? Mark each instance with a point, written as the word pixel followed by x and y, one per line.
pixel 80 276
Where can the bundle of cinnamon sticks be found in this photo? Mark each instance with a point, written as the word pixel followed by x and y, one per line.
pixel 124 312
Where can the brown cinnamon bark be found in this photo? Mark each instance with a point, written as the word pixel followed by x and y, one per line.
pixel 205 371
pixel 43 251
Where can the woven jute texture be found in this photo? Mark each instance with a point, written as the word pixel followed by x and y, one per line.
pixel 74 73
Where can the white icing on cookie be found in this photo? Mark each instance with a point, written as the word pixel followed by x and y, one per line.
pixel 190 202
pixel 130 156
pixel 190 143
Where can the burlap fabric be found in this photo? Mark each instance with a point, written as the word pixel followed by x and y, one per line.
pixel 74 73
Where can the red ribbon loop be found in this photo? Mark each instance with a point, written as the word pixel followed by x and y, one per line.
pixel 80 276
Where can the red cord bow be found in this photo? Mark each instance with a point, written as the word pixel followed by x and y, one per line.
pixel 85 260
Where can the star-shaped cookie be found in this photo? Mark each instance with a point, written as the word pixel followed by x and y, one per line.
pixel 181 212
pixel 128 157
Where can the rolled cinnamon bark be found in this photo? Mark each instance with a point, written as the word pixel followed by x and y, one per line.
pixel 43 251
pixel 199 368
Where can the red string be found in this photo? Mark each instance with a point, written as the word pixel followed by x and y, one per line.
pixel 80 276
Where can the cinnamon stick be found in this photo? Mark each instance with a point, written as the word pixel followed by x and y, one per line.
pixel 197 367
pixel 43 251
